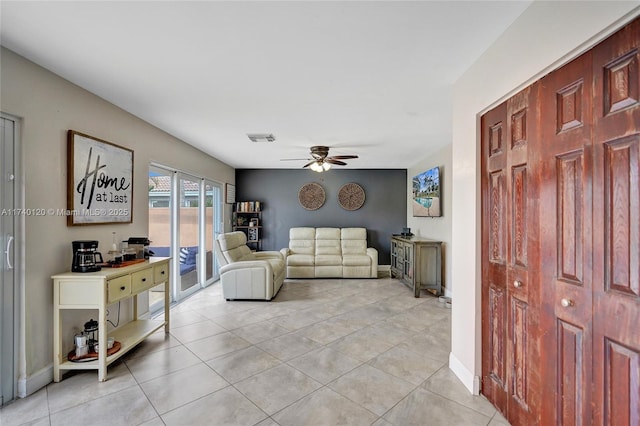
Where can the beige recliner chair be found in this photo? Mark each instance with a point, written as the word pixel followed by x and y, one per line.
pixel 245 274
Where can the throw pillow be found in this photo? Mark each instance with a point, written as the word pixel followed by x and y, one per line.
pixel 184 253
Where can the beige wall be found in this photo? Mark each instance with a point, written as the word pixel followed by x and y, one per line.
pixel 435 228
pixel 546 35
pixel 49 106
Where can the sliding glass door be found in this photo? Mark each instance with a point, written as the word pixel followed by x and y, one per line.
pixel 189 234
pixel 212 228
pixel 160 225
pixel 185 217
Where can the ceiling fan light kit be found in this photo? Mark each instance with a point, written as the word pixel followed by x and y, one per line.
pixel 321 161
pixel 320 167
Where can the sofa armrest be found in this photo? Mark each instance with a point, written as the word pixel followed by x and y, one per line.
pixel 247 264
pixel 372 253
pixel 267 255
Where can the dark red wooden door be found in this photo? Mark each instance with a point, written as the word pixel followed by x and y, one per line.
pixel 494 256
pixel 561 243
pixel 509 331
pixel 565 158
pixel 616 207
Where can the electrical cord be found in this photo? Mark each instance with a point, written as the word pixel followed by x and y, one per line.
pixel 118 320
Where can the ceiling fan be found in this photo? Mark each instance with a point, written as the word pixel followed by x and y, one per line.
pixel 321 161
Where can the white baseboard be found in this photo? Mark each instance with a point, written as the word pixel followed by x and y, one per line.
pixel 471 382
pixel 35 382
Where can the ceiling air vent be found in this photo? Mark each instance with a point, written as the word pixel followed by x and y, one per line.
pixel 261 137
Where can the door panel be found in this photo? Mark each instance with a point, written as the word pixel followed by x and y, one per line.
pixel 570 380
pixel 494 271
pixel 508 208
pixel 565 158
pixel 8 259
pixel 521 130
pixel 616 258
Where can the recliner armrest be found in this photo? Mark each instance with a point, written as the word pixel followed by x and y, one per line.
pixel 268 255
pixel 245 264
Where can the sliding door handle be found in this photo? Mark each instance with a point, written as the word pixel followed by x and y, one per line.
pixel 8 252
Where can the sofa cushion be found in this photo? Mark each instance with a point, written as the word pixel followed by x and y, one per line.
pixel 356 260
pixel 300 260
pixel 232 240
pixel 166 252
pixel 161 251
pixel 302 240
pixel 186 268
pixel 328 259
pixel 328 234
pixel 354 240
pixel 328 242
pixel 234 247
pixel 277 264
pixel 188 255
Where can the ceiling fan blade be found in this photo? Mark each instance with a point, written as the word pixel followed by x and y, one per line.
pixel 336 162
pixel 308 164
pixel 295 159
pixel 343 157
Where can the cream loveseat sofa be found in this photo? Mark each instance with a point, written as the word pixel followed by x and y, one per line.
pixel 245 274
pixel 330 253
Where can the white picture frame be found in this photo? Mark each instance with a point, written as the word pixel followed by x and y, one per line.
pixel 99 181
pixel 230 193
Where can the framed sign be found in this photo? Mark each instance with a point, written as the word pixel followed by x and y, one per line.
pixel 230 191
pixel 99 181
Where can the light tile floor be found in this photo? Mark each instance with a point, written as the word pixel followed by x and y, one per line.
pixel 323 352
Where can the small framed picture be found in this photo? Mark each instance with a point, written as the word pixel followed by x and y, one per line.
pixel 230 193
pixel 254 222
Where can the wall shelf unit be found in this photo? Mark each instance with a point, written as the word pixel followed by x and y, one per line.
pixel 247 217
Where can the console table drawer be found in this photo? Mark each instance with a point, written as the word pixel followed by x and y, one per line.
pixel 161 273
pixel 141 280
pixel 118 288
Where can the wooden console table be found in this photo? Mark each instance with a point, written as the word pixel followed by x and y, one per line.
pixel 97 290
pixel 417 262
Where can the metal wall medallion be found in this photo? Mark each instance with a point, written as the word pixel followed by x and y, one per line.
pixel 311 196
pixel 351 196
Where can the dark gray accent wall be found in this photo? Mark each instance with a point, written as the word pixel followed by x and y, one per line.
pixel 384 211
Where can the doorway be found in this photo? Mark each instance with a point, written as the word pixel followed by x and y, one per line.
pixel 8 215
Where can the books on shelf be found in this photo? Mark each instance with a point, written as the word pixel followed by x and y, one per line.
pixel 248 206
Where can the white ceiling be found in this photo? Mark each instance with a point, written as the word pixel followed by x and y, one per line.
pixel 366 78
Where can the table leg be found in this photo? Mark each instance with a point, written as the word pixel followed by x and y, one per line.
pixel 102 342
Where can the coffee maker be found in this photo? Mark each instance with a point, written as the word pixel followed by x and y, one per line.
pixel 86 257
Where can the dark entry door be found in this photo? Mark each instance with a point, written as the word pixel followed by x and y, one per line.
pixel 616 214
pixel 509 331
pixel 574 335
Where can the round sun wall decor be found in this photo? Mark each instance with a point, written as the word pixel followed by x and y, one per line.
pixel 351 196
pixel 311 196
